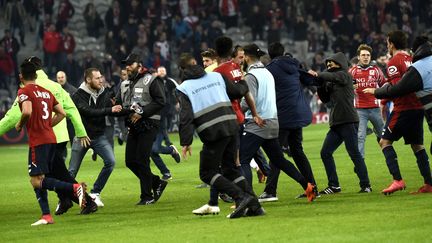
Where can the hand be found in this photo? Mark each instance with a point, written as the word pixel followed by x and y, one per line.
pixel 259 121
pixel 85 141
pixel 116 108
pixel 369 91
pixel 18 127
pixel 313 73
pixel 135 117
pixel 185 151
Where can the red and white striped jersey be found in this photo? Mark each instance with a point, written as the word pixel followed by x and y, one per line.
pixel 367 77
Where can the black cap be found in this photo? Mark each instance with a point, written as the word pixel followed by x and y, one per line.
pixel 133 57
pixel 253 50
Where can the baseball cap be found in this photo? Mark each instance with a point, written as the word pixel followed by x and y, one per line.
pixel 133 57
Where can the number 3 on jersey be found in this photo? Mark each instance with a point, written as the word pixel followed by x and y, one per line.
pixel 45 110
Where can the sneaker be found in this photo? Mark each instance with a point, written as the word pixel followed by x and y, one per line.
pixel 252 213
pixel 331 190
pixel 241 207
pixel 224 197
pixel 395 186
pixel 366 189
pixel 166 177
pixel 426 188
pixel 315 190
pixel 206 210
pixel 79 191
pixel 310 192
pixel 45 219
pixel 175 153
pixel 261 176
pixel 146 202
pixel 90 207
pixel 159 190
pixel 63 206
pixel 267 197
pixel 97 199
pixel 120 141
pixel 204 185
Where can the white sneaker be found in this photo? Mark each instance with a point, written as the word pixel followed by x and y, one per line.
pixel 206 209
pixel 97 199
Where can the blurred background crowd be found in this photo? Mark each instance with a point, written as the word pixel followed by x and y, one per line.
pixel 72 35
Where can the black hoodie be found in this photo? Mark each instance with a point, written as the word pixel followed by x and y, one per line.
pixel 338 84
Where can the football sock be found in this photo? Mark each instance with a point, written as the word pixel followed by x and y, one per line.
pixel 423 165
pixel 392 162
pixel 214 194
pixel 42 197
pixel 56 185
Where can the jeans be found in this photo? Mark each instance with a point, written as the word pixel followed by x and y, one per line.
pixel 365 115
pixel 157 149
pixel 101 147
pixel 346 133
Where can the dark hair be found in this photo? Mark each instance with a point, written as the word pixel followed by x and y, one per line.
pixel 37 62
pixel 418 41
pixel 364 47
pixel 398 38
pixel 223 46
pixel 276 49
pixel 237 48
pixel 28 70
pixel 210 53
pixel 184 60
pixel 88 73
pixel 253 50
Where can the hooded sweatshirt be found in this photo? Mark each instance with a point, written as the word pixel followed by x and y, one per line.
pixel 93 107
pixel 338 85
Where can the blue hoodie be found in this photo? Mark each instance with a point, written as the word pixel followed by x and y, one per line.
pixel 293 109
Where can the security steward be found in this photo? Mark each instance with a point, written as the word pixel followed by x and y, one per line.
pixel 142 98
pixel 206 108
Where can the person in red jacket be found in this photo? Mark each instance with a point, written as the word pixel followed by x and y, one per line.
pixel 51 46
pixel 6 69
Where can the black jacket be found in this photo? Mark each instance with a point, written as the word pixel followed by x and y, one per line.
pixel 337 87
pixel 187 120
pixel 93 113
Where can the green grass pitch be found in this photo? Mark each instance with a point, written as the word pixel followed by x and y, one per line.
pixel 345 217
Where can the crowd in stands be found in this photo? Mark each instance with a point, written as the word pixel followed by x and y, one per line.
pixel 161 30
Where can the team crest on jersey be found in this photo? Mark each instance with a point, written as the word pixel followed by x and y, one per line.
pixel 23 97
pixel 371 72
pixel 392 70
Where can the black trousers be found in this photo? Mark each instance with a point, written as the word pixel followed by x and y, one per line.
pixel 220 156
pixel 294 138
pixel 138 150
pixel 59 171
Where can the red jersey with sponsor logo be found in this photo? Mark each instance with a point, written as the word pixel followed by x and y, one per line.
pixel 232 72
pixel 396 68
pixel 39 125
pixel 367 77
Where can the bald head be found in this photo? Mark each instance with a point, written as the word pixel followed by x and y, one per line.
pixel 61 77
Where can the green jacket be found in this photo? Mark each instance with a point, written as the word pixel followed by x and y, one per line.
pixel 14 114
